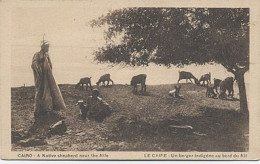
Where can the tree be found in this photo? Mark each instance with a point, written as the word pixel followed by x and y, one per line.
pixel 177 37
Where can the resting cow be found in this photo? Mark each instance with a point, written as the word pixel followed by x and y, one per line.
pixel 139 79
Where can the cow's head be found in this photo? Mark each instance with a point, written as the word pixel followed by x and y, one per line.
pixel 132 82
pixel 197 81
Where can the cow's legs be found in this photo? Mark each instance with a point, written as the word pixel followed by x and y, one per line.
pixel 135 88
pixel 90 85
pixel 222 94
pixel 82 86
pixel 143 87
pixel 112 82
pixel 216 88
pixel 231 93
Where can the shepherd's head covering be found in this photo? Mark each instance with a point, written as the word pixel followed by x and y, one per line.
pixel 44 42
pixel 95 92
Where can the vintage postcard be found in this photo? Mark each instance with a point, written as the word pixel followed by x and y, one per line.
pixel 130 80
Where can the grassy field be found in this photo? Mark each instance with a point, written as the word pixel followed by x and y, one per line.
pixel 141 122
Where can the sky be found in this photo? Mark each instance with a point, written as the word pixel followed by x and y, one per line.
pixel 72 42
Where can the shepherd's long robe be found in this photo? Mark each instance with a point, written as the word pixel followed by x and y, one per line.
pixel 47 94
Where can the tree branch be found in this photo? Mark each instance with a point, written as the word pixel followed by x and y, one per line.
pixel 228 68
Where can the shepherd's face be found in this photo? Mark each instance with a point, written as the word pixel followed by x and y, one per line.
pixel 45 48
pixel 94 96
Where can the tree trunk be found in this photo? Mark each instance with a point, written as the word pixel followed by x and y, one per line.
pixel 243 103
pixel 242 93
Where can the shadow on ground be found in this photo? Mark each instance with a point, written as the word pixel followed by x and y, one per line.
pixel 215 130
pixel 139 93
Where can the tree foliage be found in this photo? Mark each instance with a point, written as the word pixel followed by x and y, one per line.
pixel 176 36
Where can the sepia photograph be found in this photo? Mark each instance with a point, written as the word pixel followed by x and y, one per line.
pixel 100 77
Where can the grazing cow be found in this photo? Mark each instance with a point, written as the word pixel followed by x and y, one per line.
pixel 205 78
pixel 139 79
pixel 210 92
pixel 175 92
pixel 82 81
pixel 226 85
pixel 187 76
pixel 216 84
pixel 103 79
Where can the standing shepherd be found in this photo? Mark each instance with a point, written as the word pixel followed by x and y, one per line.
pixel 47 94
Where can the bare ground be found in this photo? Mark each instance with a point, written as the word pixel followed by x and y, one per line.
pixel 140 122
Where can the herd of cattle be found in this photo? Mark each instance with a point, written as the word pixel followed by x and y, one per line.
pixel 212 90
pixel 204 80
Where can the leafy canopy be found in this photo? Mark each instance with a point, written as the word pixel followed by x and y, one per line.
pixel 176 36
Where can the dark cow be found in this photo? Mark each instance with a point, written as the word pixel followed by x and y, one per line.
pixel 187 76
pixel 103 79
pixel 226 85
pixel 216 84
pixel 139 79
pixel 82 81
pixel 205 78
